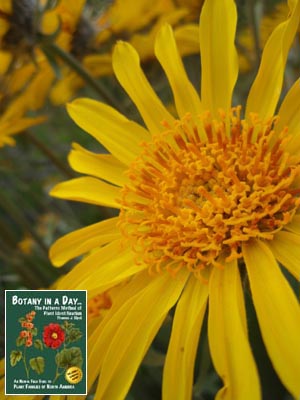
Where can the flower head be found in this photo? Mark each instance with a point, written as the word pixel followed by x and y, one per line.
pixel 53 335
pixel 204 200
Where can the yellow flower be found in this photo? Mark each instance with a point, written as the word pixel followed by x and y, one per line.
pixel 204 200
pixel 29 25
pixel 22 24
pixel 26 245
pixel 194 7
pixel 139 21
pixel 14 120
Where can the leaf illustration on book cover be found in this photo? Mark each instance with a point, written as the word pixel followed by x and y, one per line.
pixel 15 357
pixel 37 364
pixel 72 334
pixel 20 341
pixel 69 357
pixel 38 344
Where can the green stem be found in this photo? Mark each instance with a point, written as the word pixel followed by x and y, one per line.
pixel 53 49
pixel 48 153
pixel 25 364
pixel 57 374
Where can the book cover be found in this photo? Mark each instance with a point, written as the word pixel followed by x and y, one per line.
pixel 45 342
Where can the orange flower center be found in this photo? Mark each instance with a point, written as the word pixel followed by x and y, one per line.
pixel 54 335
pixel 201 188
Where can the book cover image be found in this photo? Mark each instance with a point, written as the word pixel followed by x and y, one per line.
pixel 45 342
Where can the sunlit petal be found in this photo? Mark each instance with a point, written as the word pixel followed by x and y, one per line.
pixel 289 116
pixel 103 166
pixel 101 337
pixel 178 371
pixel 88 190
pixel 266 89
pixel 99 270
pixel 83 240
pixel 277 311
pixel 185 95
pixel 145 313
pixel 109 127
pixel 218 54
pixel 127 68
pixel 227 334
pixel 286 248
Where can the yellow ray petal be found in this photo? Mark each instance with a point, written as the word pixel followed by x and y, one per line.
pixel 266 88
pixel 227 334
pixel 294 225
pixel 144 316
pixel 101 337
pixel 10 127
pixel 83 240
pixel 88 190
pixel 102 269
pixel 185 95
pixel 127 68
pixel 179 365
pixel 286 248
pixel 187 38
pixel 218 54
pixel 277 311
pixel 289 116
pixel 57 397
pixel 103 166
pixel 114 131
pixel 6 6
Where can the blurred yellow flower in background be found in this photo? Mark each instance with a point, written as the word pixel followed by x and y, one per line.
pixel 26 245
pixel 26 75
pixel 205 200
pixel 137 22
pixel 13 120
pixel 246 42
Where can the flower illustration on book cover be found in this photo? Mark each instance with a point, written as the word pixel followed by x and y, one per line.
pixel 58 337
pixel 69 358
pixel 24 341
pixel 53 336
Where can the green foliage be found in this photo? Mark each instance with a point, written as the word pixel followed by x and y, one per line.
pixel 69 358
pixel 37 364
pixel 20 341
pixel 34 331
pixel 15 357
pixel 38 344
pixel 72 333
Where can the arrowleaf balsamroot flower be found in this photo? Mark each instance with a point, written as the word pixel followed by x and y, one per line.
pixel 203 199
